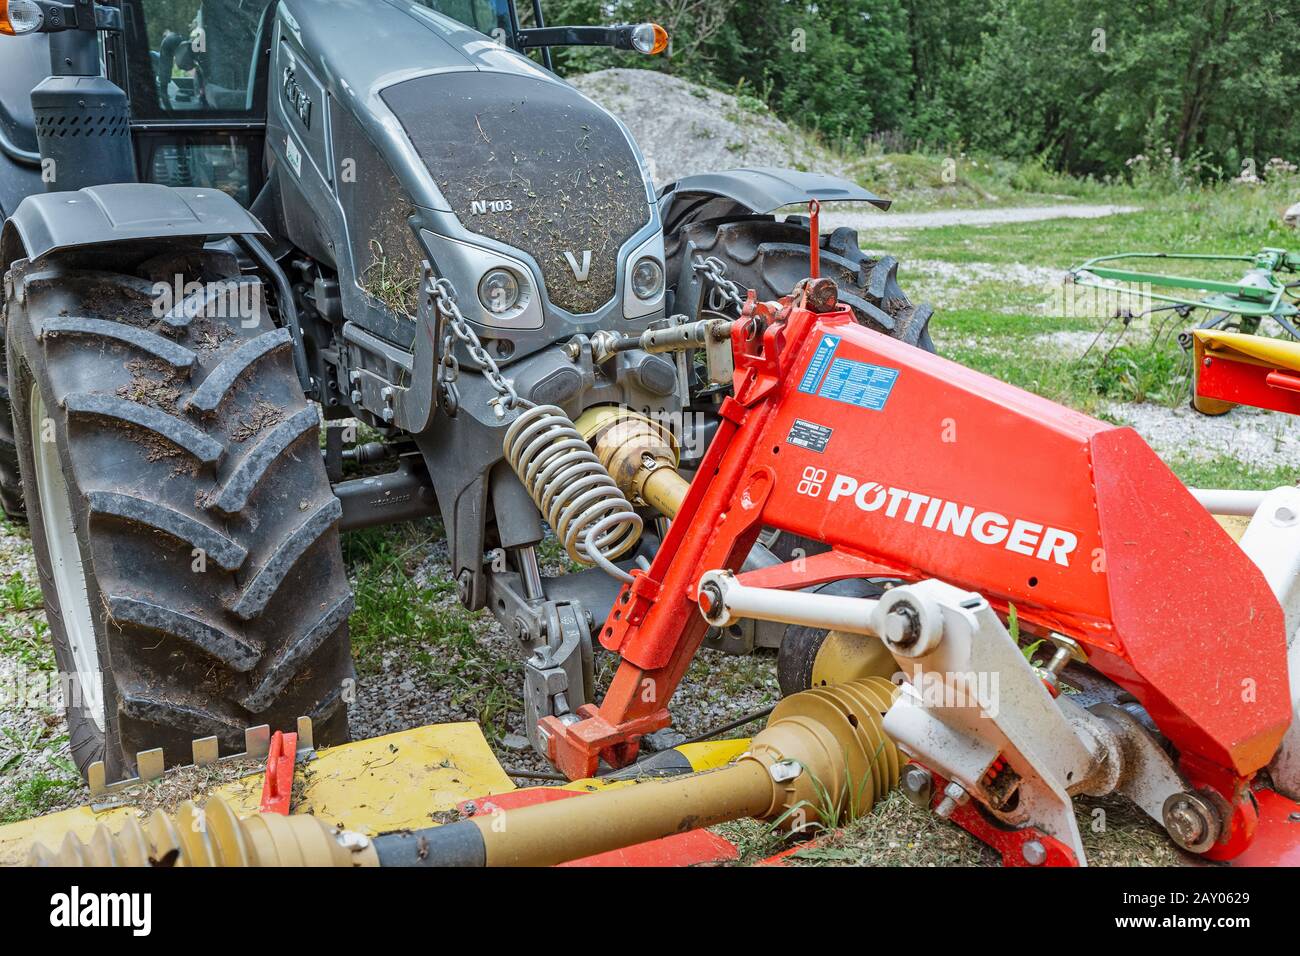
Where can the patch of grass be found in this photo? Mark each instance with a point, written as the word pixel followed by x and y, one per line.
pixel 976 323
pixel 17 594
pixel 921 180
pixel 423 624
pixel 27 638
pixel 1229 472
pixel 1135 373
pixel 1229 218
pixel 16 528
pixel 36 796
pixel 392 611
pixel 1034 369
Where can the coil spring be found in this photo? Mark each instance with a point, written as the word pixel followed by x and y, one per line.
pixel 570 486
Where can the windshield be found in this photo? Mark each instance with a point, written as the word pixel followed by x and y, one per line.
pixel 491 17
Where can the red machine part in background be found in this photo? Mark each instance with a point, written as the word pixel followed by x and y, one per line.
pixel 909 465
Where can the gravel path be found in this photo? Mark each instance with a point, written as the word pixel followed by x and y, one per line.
pixel 875 219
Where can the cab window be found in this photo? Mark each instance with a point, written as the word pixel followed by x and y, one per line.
pixel 195 71
pixel 485 16
pixel 196 58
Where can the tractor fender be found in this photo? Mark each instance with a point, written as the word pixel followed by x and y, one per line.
pixel 119 212
pixel 758 191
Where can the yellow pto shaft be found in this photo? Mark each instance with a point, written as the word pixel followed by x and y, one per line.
pixel 822 760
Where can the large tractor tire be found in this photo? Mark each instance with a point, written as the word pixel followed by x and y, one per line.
pixel 771 257
pixel 184 528
pixel 11 482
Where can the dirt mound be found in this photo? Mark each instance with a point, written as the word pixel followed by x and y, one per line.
pixel 684 128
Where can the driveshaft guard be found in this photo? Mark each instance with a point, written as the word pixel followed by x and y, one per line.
pixel 929 469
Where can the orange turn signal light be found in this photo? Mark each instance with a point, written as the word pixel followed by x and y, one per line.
pixel 661 39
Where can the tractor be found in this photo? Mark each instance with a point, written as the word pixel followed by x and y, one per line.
pixel 241 236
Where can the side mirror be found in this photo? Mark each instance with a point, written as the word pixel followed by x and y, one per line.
pixel 647 38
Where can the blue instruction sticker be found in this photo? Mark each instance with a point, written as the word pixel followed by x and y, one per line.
pixel 859 383
pixel 820 360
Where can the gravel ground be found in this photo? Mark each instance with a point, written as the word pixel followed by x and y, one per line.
pixel 943 284
pixel 684 129
pixel 1260 438
pixel 716 689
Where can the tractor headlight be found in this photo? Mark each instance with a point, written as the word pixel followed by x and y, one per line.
pixel 498 290
pixel 647 278
pixel 20 16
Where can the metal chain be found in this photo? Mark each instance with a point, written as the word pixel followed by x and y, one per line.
pixel 724 291
pixel 456 326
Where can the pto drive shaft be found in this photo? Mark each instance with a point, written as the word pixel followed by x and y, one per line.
pixel 823 759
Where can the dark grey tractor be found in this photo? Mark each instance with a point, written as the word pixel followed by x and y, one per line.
pixel 233 229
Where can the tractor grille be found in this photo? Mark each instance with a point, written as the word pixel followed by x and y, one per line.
pixel 534 165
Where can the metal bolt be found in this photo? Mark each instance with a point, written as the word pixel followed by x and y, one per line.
pixel 356 397
pixel 1191 821
pixel 386 392
pixel 710 599
pixel 954 796
pixel 902 625
pixel 388 415
pixel 1034 853
pixel 1184 823
pixel 521 629
pixel 918 786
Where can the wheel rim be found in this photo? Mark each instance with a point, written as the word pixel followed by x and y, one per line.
pixel 65 566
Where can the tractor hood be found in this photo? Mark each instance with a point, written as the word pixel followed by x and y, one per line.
pixel 479 131
pixel 534 164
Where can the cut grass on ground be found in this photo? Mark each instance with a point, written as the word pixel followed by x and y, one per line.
pixel 897 833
